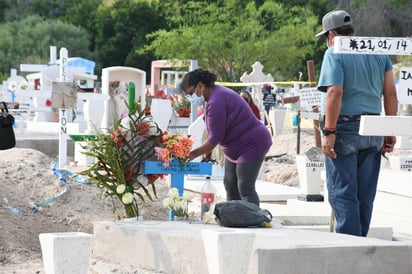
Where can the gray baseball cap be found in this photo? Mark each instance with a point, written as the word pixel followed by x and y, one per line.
pixel 335 19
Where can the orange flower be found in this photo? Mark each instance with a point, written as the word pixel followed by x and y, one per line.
pixel 174 147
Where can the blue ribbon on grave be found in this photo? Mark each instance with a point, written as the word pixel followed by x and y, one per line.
pixel 63 180
pixel 60 173
pixel 177 172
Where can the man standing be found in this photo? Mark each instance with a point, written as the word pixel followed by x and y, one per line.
pixel 353 85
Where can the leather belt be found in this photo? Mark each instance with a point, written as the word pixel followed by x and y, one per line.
pixel 349 118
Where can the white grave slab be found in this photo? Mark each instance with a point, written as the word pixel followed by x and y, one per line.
pixel 161 111
pixel 66 252
pixel 197 130
pixel 93 109
pixel 178 247
pixel 401 163
pixel 277 117
pixel 116 104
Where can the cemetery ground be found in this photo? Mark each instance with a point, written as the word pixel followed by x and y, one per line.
pixel 27 178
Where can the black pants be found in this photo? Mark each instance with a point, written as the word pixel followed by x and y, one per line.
pixel 240 180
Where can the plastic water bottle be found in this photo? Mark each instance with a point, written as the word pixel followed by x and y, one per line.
pixel 208 197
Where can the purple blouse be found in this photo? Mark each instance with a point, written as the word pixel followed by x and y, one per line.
pixel 231 123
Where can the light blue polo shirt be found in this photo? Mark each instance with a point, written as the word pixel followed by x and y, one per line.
pixel 360 75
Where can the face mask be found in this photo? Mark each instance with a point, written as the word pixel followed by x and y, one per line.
pixel 197 100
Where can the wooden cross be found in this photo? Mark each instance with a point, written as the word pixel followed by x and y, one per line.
pixel 177 172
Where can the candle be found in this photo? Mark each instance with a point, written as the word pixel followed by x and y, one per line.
pixel 132 95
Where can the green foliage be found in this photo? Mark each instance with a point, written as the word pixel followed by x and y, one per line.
pixel 120 32
pixel 228 37
pixel 82 14
pixel 18 10
pixel 29 41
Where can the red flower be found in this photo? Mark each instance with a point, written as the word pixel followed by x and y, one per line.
pixel 154 177
pixel 129 176
pixel 48 102
pixel 161 94
pixel 142 128
pixel 117 137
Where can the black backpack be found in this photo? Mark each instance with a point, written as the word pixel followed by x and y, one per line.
pixel 239 213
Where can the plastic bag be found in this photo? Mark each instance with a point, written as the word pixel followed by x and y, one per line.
pixel 239 213
pixel 7 137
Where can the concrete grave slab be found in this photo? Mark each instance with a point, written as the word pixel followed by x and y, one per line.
pixel 178 247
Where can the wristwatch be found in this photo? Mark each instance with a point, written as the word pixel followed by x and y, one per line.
pixel 327 132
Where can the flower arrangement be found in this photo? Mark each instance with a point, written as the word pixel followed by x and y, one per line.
pixel 174 146
pixel 161 94
pixel 176 203
pixel 181 105
pixel 120 155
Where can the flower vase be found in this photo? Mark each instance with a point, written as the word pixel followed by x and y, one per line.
pixel 180 218
pixel 131 210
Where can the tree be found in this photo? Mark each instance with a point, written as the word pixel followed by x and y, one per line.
pixel 120 32
pixel 82 13
pixel 29 41
pixel 18 10
pixel 229 36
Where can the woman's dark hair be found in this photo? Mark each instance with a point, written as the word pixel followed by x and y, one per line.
pixel 192 78
pixel 250 99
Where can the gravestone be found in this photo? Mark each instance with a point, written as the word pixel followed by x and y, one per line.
pixel 115 107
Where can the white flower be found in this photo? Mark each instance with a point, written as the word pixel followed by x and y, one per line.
pixel 173 192
pixel 127 198
pixel 166 202
pixel 177 203
pixel 121 189
pixel 180 203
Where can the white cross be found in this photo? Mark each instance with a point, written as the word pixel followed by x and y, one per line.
pixel 381 125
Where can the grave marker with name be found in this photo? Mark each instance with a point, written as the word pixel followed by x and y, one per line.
pixel 309 97
pixel 405 86
pixel 372 45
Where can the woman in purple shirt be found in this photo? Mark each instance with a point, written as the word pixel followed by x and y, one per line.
pixel 231 124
